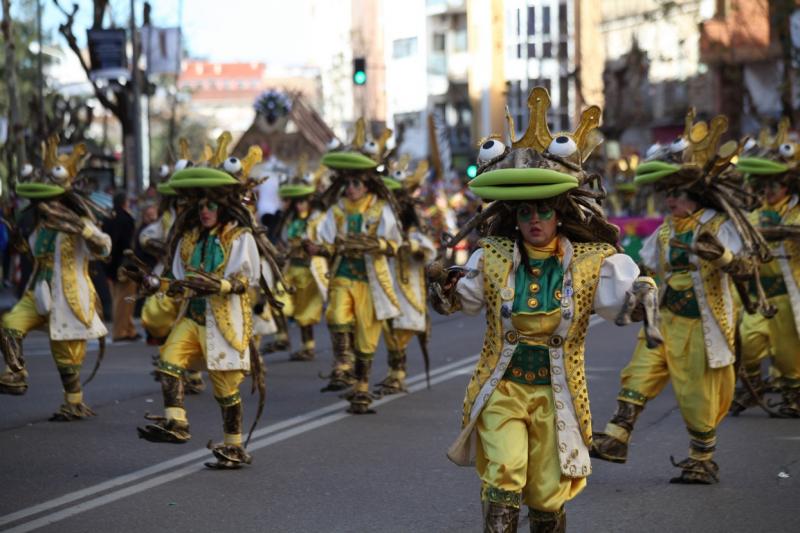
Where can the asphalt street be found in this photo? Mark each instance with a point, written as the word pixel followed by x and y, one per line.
pixel 316 468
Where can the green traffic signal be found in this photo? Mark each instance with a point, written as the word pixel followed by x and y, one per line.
pixel 360 77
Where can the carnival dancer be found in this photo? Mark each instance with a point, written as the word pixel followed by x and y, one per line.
pixel 216 260
pixel 60 295
pixel 306 270
pixel 408 270
pixel 547 261
pixel 360 230
pixel 771 164
pixel 160 311
pixel 703 245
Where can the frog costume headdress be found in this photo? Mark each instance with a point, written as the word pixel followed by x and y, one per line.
pixel 363 157
pixel 57 174
pixel 55 181
pixel 404 183
pixel 303 183
pixel 541 166
pixel 771 157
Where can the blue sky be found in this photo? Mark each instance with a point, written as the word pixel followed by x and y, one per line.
pixel 219 30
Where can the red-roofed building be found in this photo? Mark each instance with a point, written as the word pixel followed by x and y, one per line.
pixel 223 81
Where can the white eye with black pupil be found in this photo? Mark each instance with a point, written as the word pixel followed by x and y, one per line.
pixel 397 174
pixel 59 172
pixel 786 150
pixel 181 164
pixel 653 150
pixel 371 147
pixel 490 150
pixel 164 171
pixel 334 143
pixel 26 170
pixel 749 144
pixel 562 146
pixel 232 165
pixel 678 145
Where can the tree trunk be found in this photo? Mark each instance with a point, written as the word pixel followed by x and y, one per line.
pixel 15 126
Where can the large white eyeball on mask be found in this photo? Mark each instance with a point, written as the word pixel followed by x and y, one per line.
pixel 164 171
pixel 490 150
pixel 26 170
pixel 181 164
pixel 786 150
pixel 232 165
pixel 371 147
pixel 678 145
pixel 334 143
pixel 59 172
pixel 652 150
pixel 399 175
pixel 749 144
pixel 562 146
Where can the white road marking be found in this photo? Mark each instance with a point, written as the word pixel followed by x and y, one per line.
pixel 415 384
pixel 262 438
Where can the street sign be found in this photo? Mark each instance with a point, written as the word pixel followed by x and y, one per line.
pixel 107 53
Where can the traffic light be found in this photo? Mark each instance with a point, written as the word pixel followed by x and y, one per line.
pixel 359 70
pixel 472 171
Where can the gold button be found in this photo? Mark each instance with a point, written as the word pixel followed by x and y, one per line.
pixel 557 294
pixel 533 303
pixel 530 376
pixel 536 272
pixel 534 287
pixel 516 372
pixel 543 372
pixel 506 293
pixel 511 336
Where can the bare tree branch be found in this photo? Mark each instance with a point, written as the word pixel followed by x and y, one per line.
pixel 65 29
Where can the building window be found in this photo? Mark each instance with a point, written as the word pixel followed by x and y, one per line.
pixel 531 20
pixel 563 89
pixel 531 50
pixel 460 40
pixel 404 47
pixel 546 20
pixel 439 42
pixel 562 18
pixel 562 50
pixel 519 51
pixel 519 24
pixel 547 49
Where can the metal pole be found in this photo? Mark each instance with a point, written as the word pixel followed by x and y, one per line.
pixel 136 105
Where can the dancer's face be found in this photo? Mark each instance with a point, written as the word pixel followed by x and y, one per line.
pixel 208 213
pixel 774 192
pixel 679 203
pixel 355 189
pixel 537 222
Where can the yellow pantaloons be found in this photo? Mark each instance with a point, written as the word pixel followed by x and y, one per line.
pixel 306 300
pixel 159 314
pixel 399 341
pixel 350 308
pixel 185 349
pixel 68 355
pixel 775 337
pixel 704 394
pixel 517 458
